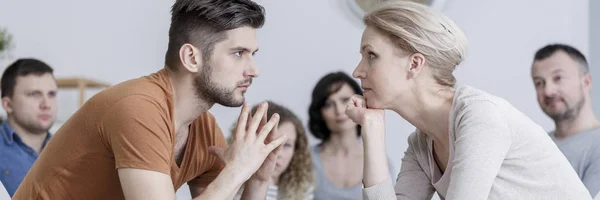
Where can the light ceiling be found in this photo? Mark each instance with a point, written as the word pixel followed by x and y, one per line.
pixel 367 5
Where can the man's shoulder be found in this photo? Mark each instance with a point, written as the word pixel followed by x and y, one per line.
pixel 594 135
pixel 591 135
pixel 155 87
pixel 588 141
pixel 138 88
pixel 136 95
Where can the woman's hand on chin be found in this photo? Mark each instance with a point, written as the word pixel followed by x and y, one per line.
pixel 359 113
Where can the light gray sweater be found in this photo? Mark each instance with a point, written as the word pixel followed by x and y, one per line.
pixel 499 153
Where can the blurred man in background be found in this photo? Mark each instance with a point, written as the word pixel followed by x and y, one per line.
pixel 29 99
pixel 562 80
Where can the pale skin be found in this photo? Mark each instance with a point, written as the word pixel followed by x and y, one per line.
pixel 250 159
pixel 342 154
pixel 287 150
pixel 32 108
pixel 402 82
pixel 560 84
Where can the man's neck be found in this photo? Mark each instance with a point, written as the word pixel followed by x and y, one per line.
pixel 187 105
pixel 35 140
pixel 585 121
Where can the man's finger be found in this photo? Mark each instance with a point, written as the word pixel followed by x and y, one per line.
pixel 276 143
pixel 249 121
pixel 264 118
pixel 262 109
pixel 268 128
pixel 242 122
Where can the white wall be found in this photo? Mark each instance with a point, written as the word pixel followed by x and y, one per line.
pixel 302 40
pixel 594 55
pixel 108 40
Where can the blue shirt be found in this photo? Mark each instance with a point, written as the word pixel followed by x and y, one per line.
pixel 16 158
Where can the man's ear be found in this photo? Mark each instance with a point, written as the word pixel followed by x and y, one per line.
pixel 587 81
pixel 7 105
pixel 191 58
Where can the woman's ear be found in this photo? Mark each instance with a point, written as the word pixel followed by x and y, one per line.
pixel 416 64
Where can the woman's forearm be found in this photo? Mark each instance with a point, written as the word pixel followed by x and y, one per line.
pixel 375 161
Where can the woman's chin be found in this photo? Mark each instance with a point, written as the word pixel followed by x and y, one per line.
pixel 373 104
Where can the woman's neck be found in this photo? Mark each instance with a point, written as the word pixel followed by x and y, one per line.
pixel 343 143
pixel 429 111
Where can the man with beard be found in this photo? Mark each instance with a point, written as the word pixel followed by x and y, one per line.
pixel 29 99
pixel 562 81
pixel 146 137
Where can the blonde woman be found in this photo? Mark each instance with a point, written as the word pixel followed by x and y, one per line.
pixel 293 175
pixel 468 144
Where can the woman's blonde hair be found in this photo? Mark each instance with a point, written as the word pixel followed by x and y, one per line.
pixel 416 28
pixel 296 181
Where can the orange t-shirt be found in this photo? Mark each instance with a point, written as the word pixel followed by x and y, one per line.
pixel 129 125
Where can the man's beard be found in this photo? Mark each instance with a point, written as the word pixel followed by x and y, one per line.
pixel 569 113
pixel 210 91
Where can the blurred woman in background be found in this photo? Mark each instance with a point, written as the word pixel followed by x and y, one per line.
pixel 338 158
pixel 293 175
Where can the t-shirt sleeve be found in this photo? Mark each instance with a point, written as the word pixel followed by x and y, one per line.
pixel 217 139
pixel 137 131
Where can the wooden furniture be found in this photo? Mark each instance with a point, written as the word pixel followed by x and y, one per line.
pixel 81 84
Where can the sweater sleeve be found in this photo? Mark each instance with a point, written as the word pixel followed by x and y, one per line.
pixel 412 182
pixel 483 138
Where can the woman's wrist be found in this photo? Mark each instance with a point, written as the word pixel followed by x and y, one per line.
pixel 373 127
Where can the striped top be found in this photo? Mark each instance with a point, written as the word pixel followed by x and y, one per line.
pixel 273 193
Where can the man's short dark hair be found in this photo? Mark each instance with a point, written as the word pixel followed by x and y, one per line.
pixel 21 67
pixel 202 23
pixel 575 54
